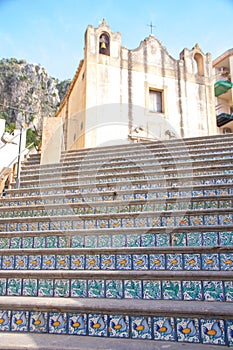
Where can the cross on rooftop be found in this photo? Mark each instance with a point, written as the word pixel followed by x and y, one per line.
pixel 151 27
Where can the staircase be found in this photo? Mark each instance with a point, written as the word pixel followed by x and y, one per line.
pixel 125 247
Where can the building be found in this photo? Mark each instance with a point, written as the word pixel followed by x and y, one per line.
pixel 121 95
pixel 223 68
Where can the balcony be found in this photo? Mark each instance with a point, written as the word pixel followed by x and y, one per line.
pixel 223 119
pixel 222 86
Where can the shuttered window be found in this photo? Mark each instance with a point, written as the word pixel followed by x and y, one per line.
pixel 155 103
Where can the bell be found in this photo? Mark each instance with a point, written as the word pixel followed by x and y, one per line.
pixel 103 45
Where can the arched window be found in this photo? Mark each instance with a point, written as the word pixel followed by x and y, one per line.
pixel 200 64
pixel 104 44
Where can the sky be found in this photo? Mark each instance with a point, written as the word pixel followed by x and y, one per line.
pixel 51 32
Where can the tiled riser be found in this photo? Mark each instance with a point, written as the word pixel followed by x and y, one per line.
pixel 111 208
pixel 187 239
pixel 206 331
pixel 118 289
pixel 159 182
pixel 137 262
pixel 143 222
pixel 98 194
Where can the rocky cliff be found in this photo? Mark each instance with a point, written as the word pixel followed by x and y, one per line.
pixel 28 93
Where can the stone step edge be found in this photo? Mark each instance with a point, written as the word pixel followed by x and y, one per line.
pixel 141 190
pixel 157 275
pixel 120 306
pixel 109 203
pixel 127 215
pixel 112 231
pixel 32 341
pixel 120 251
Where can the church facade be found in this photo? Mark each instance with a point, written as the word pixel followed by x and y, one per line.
pixel 121 95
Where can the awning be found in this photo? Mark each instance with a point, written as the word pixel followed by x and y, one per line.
pixel 223 119
pixel 222 86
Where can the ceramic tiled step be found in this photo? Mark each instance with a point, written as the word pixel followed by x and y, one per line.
pixel 73 193
pixel 144 220
pixel 133 160
pixel 144 259
pixel 142 319
pixel 152 285
pixel 176 180
pixel 117 238
pixel 148 172
pixel 139 206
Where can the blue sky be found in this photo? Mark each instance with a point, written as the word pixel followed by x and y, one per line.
pixel 51 32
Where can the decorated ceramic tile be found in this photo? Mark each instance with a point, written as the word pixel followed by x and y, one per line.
pixel 5 318
pixel 97 325
pixel 77 262
pixel 104 241
pixel 115 223
pixel 164 328
pixel 229 331
pixel 29 286
pixel 192 290
pixel 141 327
pixel 62 262
pixel 118 326
pixel 63 242
pixel 108 262
pixel 11 227
pixel 182 221
pixel 151 289
pixel 141 222
pixel 178 239
pixel 91 241
pixel 213 290
pixel 15 243
pixel 78 288
pixel 188 330
pixel 3 286
pixel 34 262
pixel 57 322
pixel 210 262
pixel 210 238
pixel 77 324
pixel 118 241
pixel 3 227
pixel 226 261
pixel 226 238
pixel 21 262
pixel 48 262
pixel 38 322
pixel 95 289
pixel 157 261
pixel 45 287
pixel 196 220
pixel 40 242
pixel 210 220
pixel 79 224
pixel 162 240
pixel 192 261
pixel 228 288
pixel 92 262
pixel 194 239
pixel 61 288
pixel 154 221
pixel 171 290
pixel 51 242
pixel 19 321
pixel 27 242
pixel 168 221
pixel 133 289
pixel 100 224
pixel 114 289
pixel 4 242
pixel 14 286
pixel 77 242
pixel 148 240
pixel 212 331
pixel 8 262
pixel 43 226
pixel 123 262
pixel 67 225
pixel 174 261
pixel 225 219
pixel 140 262
pixel 126 223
